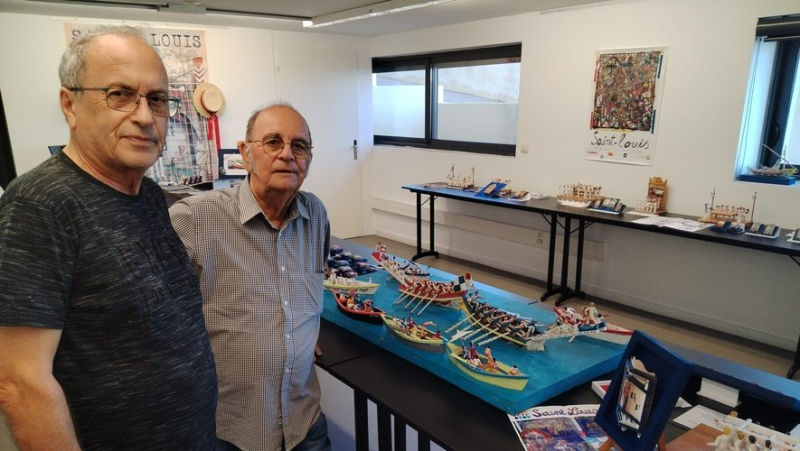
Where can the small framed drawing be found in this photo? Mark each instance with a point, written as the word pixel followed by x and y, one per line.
pixel 642 393
pixel 231 164
pixel 491 190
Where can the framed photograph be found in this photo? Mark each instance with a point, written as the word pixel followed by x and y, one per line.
pixel 654 370
pixel 231 164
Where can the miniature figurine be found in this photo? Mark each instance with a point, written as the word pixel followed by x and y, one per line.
pixel 752 445
pixel 724 441
pixel 741 442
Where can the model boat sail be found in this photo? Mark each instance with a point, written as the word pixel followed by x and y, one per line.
pixel 776 170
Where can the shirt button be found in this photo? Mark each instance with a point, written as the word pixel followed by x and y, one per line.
pixel 283 268
pixel 287 370
pixel 287 336
pixel 285 302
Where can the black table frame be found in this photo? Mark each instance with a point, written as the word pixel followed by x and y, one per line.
pixel 552 211
pixel 456 420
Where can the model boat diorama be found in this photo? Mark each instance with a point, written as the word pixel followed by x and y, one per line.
pixel 779 169
pixel 656 201
pixel 353 306
pixel 578 194
pixel 480 323
pixel 416 336
pixel 726 218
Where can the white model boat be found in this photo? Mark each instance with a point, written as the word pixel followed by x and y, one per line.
pixel 347 285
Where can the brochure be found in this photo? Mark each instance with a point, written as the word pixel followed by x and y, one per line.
pixel 546 428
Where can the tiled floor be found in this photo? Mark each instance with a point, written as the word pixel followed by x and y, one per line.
pixel 764 357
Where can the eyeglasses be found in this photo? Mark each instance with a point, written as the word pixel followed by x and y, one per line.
pixel 273 146
pixel 127 101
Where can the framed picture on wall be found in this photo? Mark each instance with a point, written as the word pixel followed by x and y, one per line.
pixel 231 164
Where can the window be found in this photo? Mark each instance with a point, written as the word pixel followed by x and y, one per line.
pixel 463 100
pixel 771 124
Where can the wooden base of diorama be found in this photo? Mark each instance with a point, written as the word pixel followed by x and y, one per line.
pixel 610 445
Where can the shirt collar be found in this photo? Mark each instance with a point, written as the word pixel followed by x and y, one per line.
pixel 249 208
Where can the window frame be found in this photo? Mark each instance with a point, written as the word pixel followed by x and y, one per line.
pixel 765 122
pixel 428 62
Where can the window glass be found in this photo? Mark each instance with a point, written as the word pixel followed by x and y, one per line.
pixel 465 100
pixel 398 103
pixel 770 135
pixel 485 91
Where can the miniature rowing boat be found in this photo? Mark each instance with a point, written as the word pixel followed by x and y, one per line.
pixel 345 284
pixel 501 376
pixel 418 337
pixel 352 306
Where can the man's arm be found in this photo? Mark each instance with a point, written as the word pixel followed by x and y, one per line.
pixel 33 401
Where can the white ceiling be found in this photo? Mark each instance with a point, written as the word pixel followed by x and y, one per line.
pixel 266 13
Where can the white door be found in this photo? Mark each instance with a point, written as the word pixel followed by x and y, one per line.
pixel 321 83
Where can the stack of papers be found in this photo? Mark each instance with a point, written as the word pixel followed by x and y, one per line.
pixel 687 225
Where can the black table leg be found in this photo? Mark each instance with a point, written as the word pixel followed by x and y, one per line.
pixel 576 293
pixel 399 434
pixel 551 258
pixel 384 429
pixel 565 262
pixel 362 420
pixel 432 222
pixel 796 365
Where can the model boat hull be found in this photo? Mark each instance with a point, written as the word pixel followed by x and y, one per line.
pixel 500 379
pixel 423 344
pixel 372 317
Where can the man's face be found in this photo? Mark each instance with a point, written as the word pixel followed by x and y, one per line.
pixel 116 142
pixel 283 173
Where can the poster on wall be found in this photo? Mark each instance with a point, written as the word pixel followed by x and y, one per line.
pixel 191 147
pixel 628 85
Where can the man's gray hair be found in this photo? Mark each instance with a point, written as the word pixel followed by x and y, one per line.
pixel 248 134
pixel 73 62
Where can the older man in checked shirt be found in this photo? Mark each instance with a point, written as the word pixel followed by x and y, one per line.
pixel 260 250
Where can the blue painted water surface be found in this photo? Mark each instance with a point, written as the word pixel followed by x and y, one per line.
pixel 560 367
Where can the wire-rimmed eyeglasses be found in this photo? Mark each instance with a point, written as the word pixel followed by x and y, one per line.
pixel 127 101
pixel 273 145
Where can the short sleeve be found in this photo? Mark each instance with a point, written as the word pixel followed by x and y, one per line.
pixel 37 261
pixel 180 213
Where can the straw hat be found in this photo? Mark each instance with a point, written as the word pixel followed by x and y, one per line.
pixel 208 100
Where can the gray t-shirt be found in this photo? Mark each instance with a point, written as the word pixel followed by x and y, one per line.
pixel 108 269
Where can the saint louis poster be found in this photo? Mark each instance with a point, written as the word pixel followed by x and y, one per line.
pixel 628 86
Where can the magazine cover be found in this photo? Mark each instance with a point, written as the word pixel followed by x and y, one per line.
pixel 559 428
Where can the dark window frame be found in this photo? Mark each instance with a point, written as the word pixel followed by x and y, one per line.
pixel 428 62
pixel 785 30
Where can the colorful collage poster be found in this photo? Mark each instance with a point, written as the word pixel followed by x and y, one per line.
pixel 628 86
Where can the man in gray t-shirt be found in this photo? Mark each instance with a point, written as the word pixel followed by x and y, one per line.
pixel 102 339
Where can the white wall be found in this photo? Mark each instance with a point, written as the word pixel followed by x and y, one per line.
pixel 710 45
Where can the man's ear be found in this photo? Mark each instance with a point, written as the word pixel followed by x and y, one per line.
pixel 243 152
pixel 67 100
